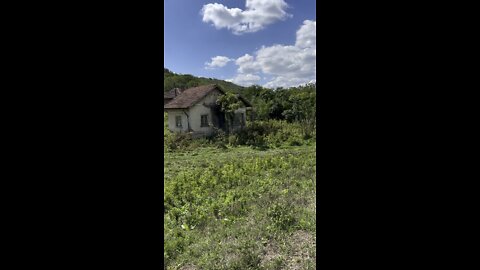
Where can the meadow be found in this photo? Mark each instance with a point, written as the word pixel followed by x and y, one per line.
pixel 234 206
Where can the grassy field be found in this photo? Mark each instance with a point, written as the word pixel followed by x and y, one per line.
pixel 240 208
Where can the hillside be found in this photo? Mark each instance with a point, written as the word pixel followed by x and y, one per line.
pixel 172 80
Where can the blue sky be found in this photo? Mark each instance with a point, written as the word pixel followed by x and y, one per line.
pixel 265 42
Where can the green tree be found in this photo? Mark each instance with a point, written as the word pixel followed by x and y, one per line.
pixel 229 103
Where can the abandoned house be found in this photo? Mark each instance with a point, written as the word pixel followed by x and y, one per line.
pixel 195 110
pixel 167 97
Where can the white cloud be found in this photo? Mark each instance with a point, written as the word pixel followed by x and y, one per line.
pixel 218 61
pixel 284 82
pixel 287 65
pixel 256 16
pixel 287 61
pixel 245 79
pixel 306 35
pixel 247 64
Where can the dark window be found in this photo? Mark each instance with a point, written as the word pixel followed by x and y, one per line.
pixel 204 122
pixel 178 121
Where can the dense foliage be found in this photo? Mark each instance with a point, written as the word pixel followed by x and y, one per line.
pixel 240 209
pixel 268 134
pixel 183 81
pixel 293 104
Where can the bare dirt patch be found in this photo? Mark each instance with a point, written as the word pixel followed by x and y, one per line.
pixel 302 251
pixel 188 267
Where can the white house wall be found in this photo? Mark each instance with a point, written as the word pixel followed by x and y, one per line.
pixel 198 110
pixel 195 113
pixel 172 114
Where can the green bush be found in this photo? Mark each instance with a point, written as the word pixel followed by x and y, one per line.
pixel 233 140
pixel 257 134
pixel 282 216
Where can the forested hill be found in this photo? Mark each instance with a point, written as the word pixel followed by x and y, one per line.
pixel 172 80
pixel 282 103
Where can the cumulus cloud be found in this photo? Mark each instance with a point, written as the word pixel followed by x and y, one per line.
pixel 247 64
pixel 256 16
pixel 217 62
pixel 306 35
pixel 282 60
pixel 287 65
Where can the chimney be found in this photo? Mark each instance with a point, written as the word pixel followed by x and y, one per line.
pixel 177 91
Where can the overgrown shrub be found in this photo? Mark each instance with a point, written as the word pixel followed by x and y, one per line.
pixel 281 216
pixel 257 134
pixel 233 140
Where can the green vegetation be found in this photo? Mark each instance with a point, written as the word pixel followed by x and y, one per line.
pixel 245 200
pixel 172 80
pixel 240 209
pixel 268 134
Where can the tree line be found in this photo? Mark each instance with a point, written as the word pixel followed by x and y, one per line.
pixel 294 104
